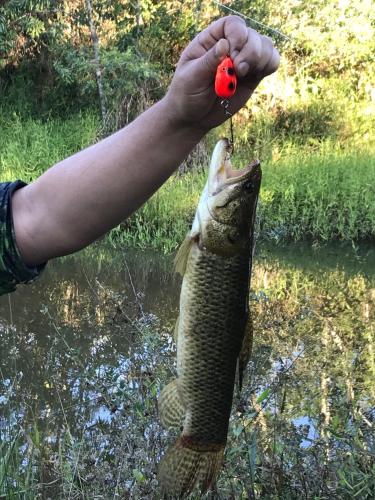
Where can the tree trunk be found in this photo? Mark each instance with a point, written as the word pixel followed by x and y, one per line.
pixel 98 71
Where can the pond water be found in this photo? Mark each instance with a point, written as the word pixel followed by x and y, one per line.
pixel 86 349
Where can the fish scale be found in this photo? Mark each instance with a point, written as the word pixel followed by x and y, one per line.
pixel 214 334
pixel 218 332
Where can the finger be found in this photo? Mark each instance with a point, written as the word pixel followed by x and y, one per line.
pixel 273 63
pixel 209 62
pixel 247 59
pixel 235 31
pixel 258 56
pixel 232 28
pixel 203 69
pixel 270 58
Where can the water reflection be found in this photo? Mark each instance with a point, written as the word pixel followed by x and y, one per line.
pixel 306 423
pixel 86 349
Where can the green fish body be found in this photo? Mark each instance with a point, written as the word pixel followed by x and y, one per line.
pixel 213 332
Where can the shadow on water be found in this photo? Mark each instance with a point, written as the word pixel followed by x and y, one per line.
pixel 86 349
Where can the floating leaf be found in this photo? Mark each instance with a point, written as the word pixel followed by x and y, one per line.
pixel 138 476
pixel 264 395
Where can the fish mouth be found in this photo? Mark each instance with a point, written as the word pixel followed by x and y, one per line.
pixel 222 174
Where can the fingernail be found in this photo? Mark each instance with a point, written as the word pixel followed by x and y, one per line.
pixel 243 69
pixel 221 48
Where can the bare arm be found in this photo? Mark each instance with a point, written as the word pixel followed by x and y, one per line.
pixel 82 197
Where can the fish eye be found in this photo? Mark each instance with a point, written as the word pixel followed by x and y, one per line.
pixel 230 71
pixel 248 186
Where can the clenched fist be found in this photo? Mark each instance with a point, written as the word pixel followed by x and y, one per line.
pixel 191 99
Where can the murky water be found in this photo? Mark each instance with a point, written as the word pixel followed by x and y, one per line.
pixel 85 350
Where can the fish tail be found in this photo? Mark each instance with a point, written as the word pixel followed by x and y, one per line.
pixel 185 465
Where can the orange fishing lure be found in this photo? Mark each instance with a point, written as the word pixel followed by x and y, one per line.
pixel 226 79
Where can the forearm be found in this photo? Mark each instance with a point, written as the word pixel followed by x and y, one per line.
pixel 82 197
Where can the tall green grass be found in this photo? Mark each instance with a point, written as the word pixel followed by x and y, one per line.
pixel 328 195
pixel 163 221
pixel 18 475
pixel 325 196
pixel 313 188
pixel 28 146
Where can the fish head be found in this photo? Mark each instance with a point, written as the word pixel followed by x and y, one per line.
pixel 227 207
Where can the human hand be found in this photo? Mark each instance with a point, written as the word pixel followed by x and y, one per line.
pixel 191 99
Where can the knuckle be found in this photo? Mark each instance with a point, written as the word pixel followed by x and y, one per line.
pixel 275 61
pixel 267 49
pixel 255 46
pixel 267 39
pixel 236 32
pixel 256 53
pixel 232 18
pixel 272 63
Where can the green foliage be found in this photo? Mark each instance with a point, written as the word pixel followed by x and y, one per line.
pixel 163 32
pixel 48 67
pixel 311 188
pixel 17 474
pixel 127 78
pixel 328 196
pixel 48 41
pixel 311 124
pixel 23 25
pixel 29 147
pixel 325 196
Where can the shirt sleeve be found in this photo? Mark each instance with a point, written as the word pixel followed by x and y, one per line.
pixel 12 268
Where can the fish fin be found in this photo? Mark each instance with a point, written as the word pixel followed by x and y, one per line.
pixel 182 468
pixel 247 347
pixel 170 406
pixel 180 261
pixel 175 333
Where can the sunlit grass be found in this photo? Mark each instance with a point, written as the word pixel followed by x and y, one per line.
pixel 320 189
pixel 28 147
pixel 327 195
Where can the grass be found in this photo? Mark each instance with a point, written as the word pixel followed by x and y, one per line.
pixel 28 146
pixel 318 182
pixel 323 196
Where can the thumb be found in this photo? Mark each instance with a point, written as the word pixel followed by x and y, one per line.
pixel 213 57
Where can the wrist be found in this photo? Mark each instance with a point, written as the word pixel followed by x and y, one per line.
pixel 178 124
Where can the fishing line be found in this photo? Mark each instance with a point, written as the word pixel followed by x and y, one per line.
pixel 225 80
pixel 274 30
pixel 225 104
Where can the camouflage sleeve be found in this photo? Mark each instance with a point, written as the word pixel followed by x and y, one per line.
pixel 12 268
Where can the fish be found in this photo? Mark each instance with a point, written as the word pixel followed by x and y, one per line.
pixel 214 329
